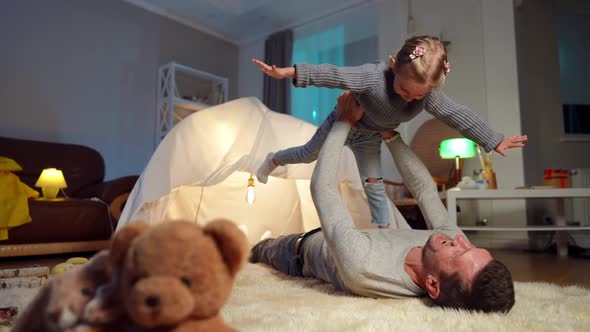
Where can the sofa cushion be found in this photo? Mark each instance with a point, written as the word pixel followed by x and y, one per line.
pixel 69 220
pixel 80 165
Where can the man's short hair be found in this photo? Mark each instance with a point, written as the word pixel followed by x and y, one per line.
pixel 492 290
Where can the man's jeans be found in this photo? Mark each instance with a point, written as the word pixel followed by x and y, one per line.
pixel 278 253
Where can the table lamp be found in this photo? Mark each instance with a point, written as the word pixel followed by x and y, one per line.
pixel 457 148
pixel 51 180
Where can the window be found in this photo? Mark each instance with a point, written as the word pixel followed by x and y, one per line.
pixel 576 119
pixel 573 30
pixel 314 104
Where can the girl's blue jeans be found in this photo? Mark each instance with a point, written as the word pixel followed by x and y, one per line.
pixel 366 146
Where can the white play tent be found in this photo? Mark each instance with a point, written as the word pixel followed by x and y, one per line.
pixel 200 172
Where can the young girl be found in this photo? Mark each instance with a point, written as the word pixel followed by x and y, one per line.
pixel 390 94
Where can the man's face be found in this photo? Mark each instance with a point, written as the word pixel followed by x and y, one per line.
pixel 454 256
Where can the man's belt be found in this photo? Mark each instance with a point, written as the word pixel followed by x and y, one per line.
pixel 299 243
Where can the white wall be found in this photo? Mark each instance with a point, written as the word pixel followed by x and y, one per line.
pixel 84 72
pixel 392 21
pixel 250 78
pixel 502 96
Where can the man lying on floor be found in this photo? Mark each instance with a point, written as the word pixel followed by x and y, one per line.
pixel 388 263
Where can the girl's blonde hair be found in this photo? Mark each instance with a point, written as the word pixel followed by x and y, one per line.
pixel 424 58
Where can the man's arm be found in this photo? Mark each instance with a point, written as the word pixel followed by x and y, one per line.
pixel 420 183
pixel 348 245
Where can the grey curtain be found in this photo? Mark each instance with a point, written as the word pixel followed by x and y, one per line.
pixel 278 49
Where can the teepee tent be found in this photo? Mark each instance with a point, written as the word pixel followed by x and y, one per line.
pixel 200 172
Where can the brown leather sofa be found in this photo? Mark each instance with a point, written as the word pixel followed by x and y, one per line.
pixel 82 221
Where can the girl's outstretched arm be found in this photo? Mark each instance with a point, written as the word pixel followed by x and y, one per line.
pixel 357 79
pixel 274 71
pixel 515 141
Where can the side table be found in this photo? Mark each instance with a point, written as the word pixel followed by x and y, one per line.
pixel 558 194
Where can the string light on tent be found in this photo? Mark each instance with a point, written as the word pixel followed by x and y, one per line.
pixel 250 193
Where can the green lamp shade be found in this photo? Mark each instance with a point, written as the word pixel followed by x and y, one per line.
pixel 457 147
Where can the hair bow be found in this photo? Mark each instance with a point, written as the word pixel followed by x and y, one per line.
pixel 417 52
pixel 447 66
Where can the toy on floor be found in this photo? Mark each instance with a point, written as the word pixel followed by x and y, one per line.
pixel 7 315
pixel 61 301
pixel 174 276
pixel 67 265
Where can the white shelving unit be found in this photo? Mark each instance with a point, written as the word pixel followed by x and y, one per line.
pixel 182 91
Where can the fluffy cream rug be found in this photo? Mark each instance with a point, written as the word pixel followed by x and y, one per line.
pixel 265 300
pixel 16 297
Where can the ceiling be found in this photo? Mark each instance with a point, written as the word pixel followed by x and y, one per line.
pixel 242 21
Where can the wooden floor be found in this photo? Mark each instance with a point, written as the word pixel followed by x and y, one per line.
pixel 525 266
pixel 534 266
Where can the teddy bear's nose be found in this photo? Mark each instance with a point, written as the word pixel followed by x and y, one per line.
pixel 53 316
pixel 152 301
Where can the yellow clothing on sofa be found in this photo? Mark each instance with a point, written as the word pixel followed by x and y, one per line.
pixel 14 205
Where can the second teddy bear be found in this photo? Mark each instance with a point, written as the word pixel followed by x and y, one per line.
pixel 61 301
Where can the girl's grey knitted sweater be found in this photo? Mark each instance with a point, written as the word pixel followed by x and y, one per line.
pixel 372 85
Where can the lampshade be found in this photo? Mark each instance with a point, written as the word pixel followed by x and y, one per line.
pixel 457 148
pixel 51 180
pixel 51 177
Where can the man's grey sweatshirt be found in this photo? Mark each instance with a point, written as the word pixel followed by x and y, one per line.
pixel 369 262
pixel 372 85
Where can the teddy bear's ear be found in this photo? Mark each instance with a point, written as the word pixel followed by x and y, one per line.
pixel 231 241
pixel 122 240
pixel 100 263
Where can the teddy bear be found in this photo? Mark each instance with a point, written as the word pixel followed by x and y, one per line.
pixel 174 276
pixel 61 301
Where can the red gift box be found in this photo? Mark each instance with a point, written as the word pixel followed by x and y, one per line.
pixel 558 178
